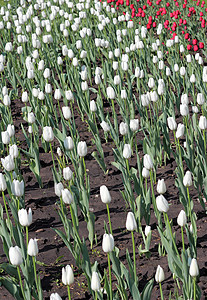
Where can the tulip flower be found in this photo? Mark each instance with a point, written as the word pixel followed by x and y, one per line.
pixel 17 188
pixel 8 163
pixel 159 277
pixel 55 296
pixel 82 149
pixel 68 143
pixel 131 225
pixel 162 204
pixel 48 136
pixel 194 272
pixel 108 246
pixel 161 187
pixel 15 257
pixel 66 112
pixel 5 137
pixel 67 278
pixel 106 198
pixel 95 282
pixel 67 173
pixel 182 220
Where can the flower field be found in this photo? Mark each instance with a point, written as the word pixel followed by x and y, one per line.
pixel 103 169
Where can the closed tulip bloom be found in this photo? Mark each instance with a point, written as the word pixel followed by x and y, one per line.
pixel 8 163
pixel 117 80
pixel 108 243
pixel 48 134
pixel 55 296
pixel 162 204
pixel 184 99
pixel 67 196
pixel 127 152
pixel 176 68
pixel 5 137
pixel 105 195
pixel 46 73
pixel 93 106
pixel 58 189
pixel 171 123
pixel 182 219
pixel 66 112
pixel 145 173
pixel 195 109
pixel 184 111
pixel 192 78
pixel 15 256
pixel 161 186
pixel 67 173
pixel 123 94
pixel 25 97
pixel 160 275
pixel 110 92
pixel 59 152
pixel 84 86
pixel 57 94
pixel 194 271
pixel 200 99
pixel 147 161
pixel 95 282
pixel 13 151
pixel 3 185
pixel 187 179
pixel 131 223
pixel 123 128
pixel 182 71
pixel 145 100
pixel 25 218
pixel 105 126
pixel 67 275
pixel 151 83
pixel 147 230
pixel 32 249
pixel 69 95
pixel 11 130
pixel 180 131
pixel 97 79
pixel 168 72
pixel 68 143
pixel 41 96
pixel 31 118
pixel 82 149
pixel 202 123
pixel 153 96
pixel 134 125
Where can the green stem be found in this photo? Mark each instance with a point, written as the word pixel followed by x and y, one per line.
pixel 194 288
pixel 5 205
pixel 96 296
pixel 180 156
pixel 204 140
pixel 27 239
pixel 20 280
pixel 183 239
pixel 107 206
pixel 52 155
pixel 109 265
pixel 134 257
pixel 73 221
pixel 69 297
pixel 61 204
pixel 153 197
pixel 189 204
pixel 84 167
pixel 35 272
pixel 127 165
pixel 161 294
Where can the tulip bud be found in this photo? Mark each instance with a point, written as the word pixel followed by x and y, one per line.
pixel 171 123
pixel 184 111
pixel 67 196
pixel 17 188
pixel 105 195
pixel 182 71
pixel 147 161
pixel 31 117
pixel 147 230
pixel 8 163
pixel 32 247
pixel 13 151
pixel 134 125
pixel 202 123
pixel 123 94
pixel 93 106
pixel 57 94
pixel 151 83
pixel 182 219
pixel 59 152
pixel 15 256
pixel 67 275
pixel 82 149
pixel 153 96
pixel 55 296
pixel 95 282
pixel 187 179
pixel 108 243
pixel 69 95
pixel 192 78
pixel 159 276
pixel 200 99
pixel 161 187
pixel 162 204
pixel 110 92
pixel 84 86
pixel 123 128
pixel 168 72
pixel 117 80
pixel 145 173
pixel 180 131
pixel 5 137
pixel 67 173
pixel 127 152
pixel 58 189
pixel 25 219
pixel 184 99
pixel 105 126
pixel 68 143
pixel 46 73
pixel 3 185
pixel 11 130
pixel 194 271
pixel 48 134
pixel 131 223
